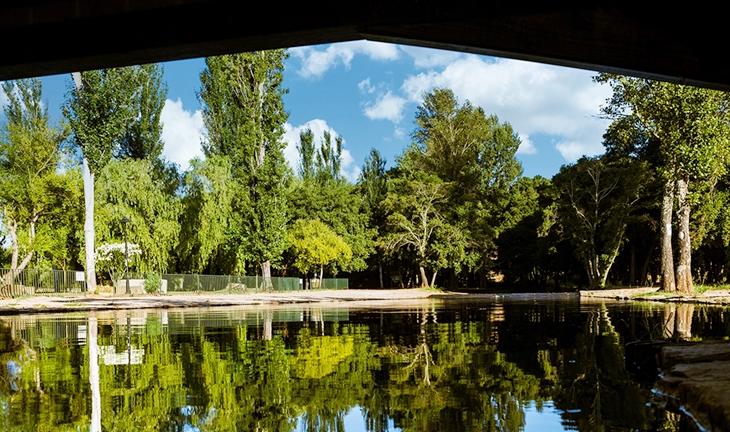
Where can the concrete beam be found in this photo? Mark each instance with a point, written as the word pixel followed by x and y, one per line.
pixel 677 45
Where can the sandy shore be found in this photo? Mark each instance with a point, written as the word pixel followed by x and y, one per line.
pixel 41 304
pixel 377 297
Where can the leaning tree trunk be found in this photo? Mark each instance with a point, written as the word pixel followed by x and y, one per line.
pixel 684 266
pixel 668 283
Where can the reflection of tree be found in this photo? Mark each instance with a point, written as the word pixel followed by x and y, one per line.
pixel 409 369
pixel 678 321
pixel 451 379
pixel 333 374
pixel 598 394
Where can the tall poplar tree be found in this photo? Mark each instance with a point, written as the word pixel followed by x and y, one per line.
pixel 691 129
pixel 142 138
pixel 98 109
pixel 244 115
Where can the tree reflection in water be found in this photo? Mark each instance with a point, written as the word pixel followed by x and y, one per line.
pixel 456 367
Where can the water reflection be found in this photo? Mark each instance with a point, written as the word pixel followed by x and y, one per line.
pixel 457 366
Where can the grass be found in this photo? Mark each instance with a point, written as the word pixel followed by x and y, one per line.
pixel 704 288
pixel 434 289
pixel 655 294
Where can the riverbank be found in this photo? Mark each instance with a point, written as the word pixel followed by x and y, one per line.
pixel 713 297
pixel 91 302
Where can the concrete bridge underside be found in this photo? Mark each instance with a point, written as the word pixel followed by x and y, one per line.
pixel 678 44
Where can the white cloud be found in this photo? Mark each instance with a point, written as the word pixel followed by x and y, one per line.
pixel 428 57
pixel 349 168
pixel 572 151
pixel 317 61
pixel 534 98
pixel 182 132
pixel 526 146
pixel 365 86
pixel 386 107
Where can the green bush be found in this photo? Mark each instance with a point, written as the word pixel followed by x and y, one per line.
pixel 152 283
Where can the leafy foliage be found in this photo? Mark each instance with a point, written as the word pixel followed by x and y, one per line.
pixel 597 200
pixel 38 198
pixel 315 245
pixel 129 188
pixel 244 117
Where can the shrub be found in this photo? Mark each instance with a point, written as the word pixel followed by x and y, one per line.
pixel 152 283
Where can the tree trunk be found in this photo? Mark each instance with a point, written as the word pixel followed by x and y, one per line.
pixel 94 375
pixel 89 227
pixel 683 326
pixel 380 269
pixel 632 266
pixel 13 231
pixel 321 275
pixel 266 274
pixel 668 283
pixel 645 267
pixel 433 278
pixel 424 279
pixel 684 266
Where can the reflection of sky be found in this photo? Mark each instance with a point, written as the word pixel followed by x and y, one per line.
pixel 548 419
pixel 354 422
pixel 189 410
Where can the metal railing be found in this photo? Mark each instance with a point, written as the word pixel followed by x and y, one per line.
pixel 186 283
pixel 29 282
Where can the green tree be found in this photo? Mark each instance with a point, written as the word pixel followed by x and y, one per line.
pixel 306 150
pixel 142 138
pixel 372 184
pixel 244 116
pixel 35 195
pixel 329 159
pixel 129 188
pixel 98 109
pixel 316 245
pixel 597 200
pixel 474 155
pixel 416 223
pixel 321 192
pixel 689 127
pixel 206 203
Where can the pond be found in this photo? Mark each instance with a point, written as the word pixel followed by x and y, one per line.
pixel 508 364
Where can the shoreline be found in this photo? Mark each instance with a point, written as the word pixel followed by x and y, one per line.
pixel 357 297
pixel 652 294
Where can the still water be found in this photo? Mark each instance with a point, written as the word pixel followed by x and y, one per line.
pixel 499 365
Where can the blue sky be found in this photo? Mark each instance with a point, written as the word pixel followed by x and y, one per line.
pixel 368 92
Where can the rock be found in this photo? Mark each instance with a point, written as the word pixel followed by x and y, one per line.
pixel 695 379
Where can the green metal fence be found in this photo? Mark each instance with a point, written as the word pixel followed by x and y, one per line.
pixel 30 282
pixel 185 283
pixel 14 283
